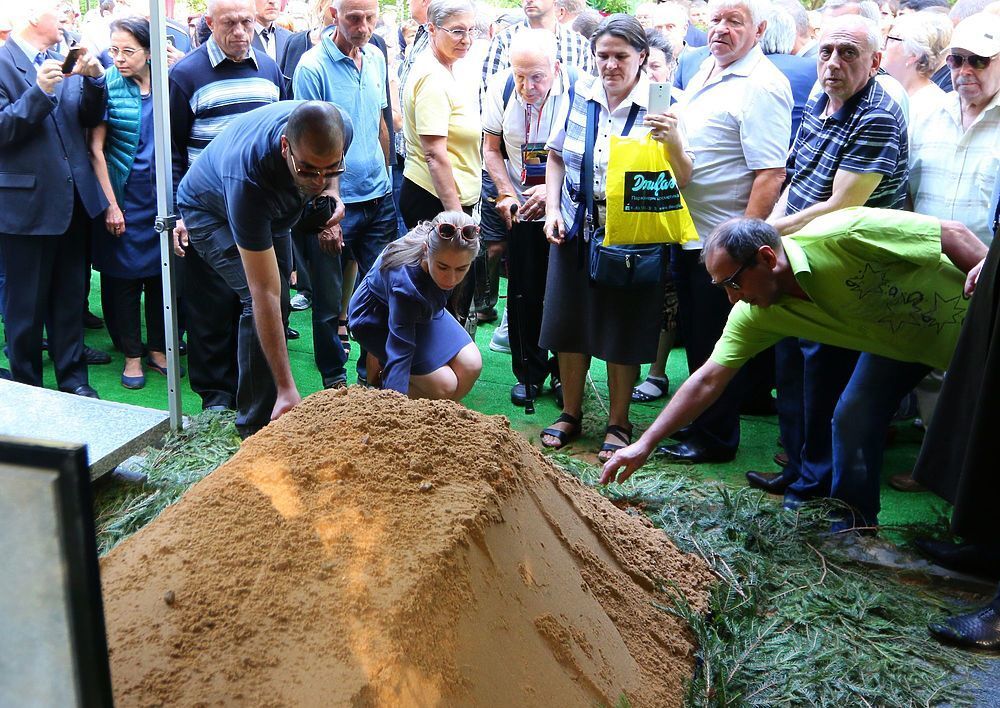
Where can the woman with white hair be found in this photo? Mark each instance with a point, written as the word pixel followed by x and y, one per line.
pixel 914 48
pixel 442 129
pixel 441 122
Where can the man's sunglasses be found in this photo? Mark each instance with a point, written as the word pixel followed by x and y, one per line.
pixel 316 174
pixel 448 231
pixel 955 61
pixel 730 282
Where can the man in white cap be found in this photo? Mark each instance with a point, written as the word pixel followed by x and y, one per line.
pixel 954 150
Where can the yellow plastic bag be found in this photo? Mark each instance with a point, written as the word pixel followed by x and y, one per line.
pixel 644 203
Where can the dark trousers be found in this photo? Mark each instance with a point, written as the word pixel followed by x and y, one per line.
pixel 805 412
pixel 46 288
pixel 212 314
pixel 121 300
pixel 300 261
pixel 368 227
pixel 416 204
pixel 397 186
pixel 860 419
pixel 255 389
pixel 704 309
pixel 527 263
pixel 3 283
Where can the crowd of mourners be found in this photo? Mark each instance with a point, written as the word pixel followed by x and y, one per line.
pixel 837 170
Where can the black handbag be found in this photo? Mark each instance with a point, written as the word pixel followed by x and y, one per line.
pixel 620 267
pixel 625 267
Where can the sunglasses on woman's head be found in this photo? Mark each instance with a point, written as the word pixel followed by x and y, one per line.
pixel 955 61
pixel 450 231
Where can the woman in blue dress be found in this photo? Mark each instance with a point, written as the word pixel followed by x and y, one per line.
pixel 398 311
pixel 126 248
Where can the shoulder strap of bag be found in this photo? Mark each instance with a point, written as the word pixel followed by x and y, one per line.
pixel 508 90
pixel 630 121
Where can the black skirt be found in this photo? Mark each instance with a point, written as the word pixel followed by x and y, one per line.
pixel 958 459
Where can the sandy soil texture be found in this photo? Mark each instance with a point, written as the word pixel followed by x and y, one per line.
pixel 368 550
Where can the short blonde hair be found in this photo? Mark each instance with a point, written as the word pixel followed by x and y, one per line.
pixel 925 37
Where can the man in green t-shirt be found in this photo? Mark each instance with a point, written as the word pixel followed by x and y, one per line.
pixel 890 284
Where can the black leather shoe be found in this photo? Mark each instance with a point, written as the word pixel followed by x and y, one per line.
pixel 95 357
pixel 92 321
pixel 770 482
pixel 291 333
pixel 971 558
pixel 683 435
pixel 519 394
pixel 689 453
pixel 85 390
pixel 976 630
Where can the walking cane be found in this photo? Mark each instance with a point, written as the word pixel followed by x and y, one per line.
pixel 529 403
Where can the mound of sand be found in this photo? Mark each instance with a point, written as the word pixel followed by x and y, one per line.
pixel 369 550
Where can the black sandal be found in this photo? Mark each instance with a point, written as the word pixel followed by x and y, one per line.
pixel 619 432
pixel 563 436
pixel 345 338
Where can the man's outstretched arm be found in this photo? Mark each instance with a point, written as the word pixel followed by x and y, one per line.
pixel 696 394
pixel 265 289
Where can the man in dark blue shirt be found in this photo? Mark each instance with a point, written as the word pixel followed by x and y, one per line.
pixel 247 187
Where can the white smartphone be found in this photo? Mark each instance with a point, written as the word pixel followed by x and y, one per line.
pixel 659 97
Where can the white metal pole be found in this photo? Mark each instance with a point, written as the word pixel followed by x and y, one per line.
pixel 165 217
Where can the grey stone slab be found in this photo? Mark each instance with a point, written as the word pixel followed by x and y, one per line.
pixel 111 431
pixel 878 552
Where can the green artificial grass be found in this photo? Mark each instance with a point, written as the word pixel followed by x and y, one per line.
pixel 491 395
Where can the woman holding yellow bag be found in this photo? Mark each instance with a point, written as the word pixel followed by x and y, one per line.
pixel 584 318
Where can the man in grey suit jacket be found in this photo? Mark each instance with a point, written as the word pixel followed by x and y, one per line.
pixel 48 194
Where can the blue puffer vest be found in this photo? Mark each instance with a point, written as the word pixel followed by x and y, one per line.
pixel 124 119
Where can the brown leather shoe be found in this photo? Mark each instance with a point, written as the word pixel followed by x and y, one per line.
pixel 906 483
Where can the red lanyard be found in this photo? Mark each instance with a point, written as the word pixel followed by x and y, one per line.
pixel 527 120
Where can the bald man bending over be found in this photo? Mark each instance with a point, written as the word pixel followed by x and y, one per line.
pixel 238 201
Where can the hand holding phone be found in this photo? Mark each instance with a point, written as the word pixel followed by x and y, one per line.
pixel 71 56
pixel 659 97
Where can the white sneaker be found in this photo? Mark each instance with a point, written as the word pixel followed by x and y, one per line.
pixel 300 302
pixel 500 341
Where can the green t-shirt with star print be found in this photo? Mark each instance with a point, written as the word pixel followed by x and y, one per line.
pixel 877 283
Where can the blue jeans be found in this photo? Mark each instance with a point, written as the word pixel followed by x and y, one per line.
pixel 255 388
pixel 397 184
pixel 824 371
pixel 3 285
pixel 860 420
pixel 367 227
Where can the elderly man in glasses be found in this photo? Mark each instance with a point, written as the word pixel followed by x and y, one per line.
pixel 850 151
pixel 954 149
pixel 883 282
pixel 238 201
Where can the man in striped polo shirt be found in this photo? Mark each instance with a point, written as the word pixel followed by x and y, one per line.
pixel 209 87
pixel 851 150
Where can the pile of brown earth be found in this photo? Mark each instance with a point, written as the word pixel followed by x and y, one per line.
pixel 369 550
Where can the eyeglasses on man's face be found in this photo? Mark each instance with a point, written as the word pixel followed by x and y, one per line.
pixel 731 281
pixel 316 174
pixel 955 61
